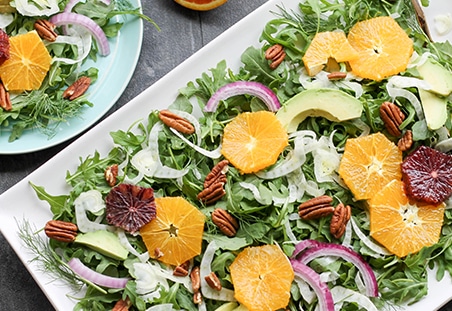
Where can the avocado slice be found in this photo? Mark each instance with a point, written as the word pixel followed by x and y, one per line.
pixel 435 109
pixel 229 306
pixel 104 242
pixel 332 104
pixel 438 77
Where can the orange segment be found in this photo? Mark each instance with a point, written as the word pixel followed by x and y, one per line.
pixel 253 141
pixel 401 225
pixel 369 163
pixel 28 64
pixel 201 5
pixel 383 46
pixel 176 232
pixel 324 46
pixel 262 276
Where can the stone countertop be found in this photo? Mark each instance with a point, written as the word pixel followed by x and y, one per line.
pixel 182 33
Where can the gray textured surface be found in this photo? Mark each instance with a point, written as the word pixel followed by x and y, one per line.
pixel 183 32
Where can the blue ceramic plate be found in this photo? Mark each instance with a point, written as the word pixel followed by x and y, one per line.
pixel 115 72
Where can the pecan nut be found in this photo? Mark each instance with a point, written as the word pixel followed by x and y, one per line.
pixel 276 55
pixel 213 281
pixel 77 89
pixel 406 141
pixel 176 122
pixel 214 184
pixel 337 75
pixel 5 101
pixel 316 207
pixel 217 174
pixel 339 221
pixel 122 305
pixel 227 223
pixel 195 277
pixel 45 29
pixel 392 117
pixel 62 231
pixel 182 269
pixel 110 174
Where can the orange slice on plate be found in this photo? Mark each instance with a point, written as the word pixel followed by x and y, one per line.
pixel 401 225
pixel 325 46
pixel 253 141
pixel 201 5
pixel 262 276
pixel 28 64
pixel 369 163
pixel 175 235
pixel 383 46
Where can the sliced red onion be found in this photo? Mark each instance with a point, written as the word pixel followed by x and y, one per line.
pixel 244 88
pixel 68 18
pixel 95 277
pixel 311 277
pixel 308 250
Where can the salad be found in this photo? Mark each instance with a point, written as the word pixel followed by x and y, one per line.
pixel 166 160
pixel 73 33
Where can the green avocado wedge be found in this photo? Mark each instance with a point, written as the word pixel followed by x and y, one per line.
pixel 438 77
pixel 105 242
pixel 332 104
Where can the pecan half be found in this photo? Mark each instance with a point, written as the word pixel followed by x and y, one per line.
pixel 5 101
pixel 122 305
pixel 195 277
pixel 176 122
pixel 217 174
pixel 110 174
pixel 45 29
pixel 316 207
pixel 225 222
pixel 406 141
pixel 62 231
pixel 77 89
pixel 337 75
pixel 276 55
pixel 392 117
pixel 213 281
pixel 340 218
pixel 214 184
pixel 182 269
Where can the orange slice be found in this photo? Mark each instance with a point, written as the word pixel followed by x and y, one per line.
pixel 324 46
pixel 28 64
pixel 369 163
pixel 401 225
pixel 175 235
pixel 201 5
pixel 253 141
pixel 383 46
pixel 262 276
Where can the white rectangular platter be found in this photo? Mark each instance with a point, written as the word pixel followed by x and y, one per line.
pixel 20 201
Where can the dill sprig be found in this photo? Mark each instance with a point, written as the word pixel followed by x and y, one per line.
pixel 48 260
